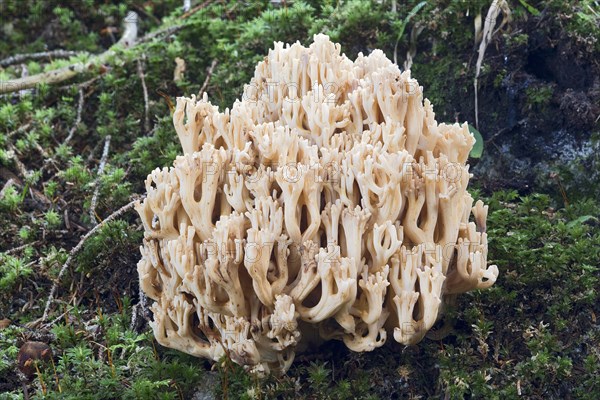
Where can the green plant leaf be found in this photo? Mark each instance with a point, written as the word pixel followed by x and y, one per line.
pixel 534 11
pixel 581 220
pixel 409 16
pixel 477 149
pixel 406 20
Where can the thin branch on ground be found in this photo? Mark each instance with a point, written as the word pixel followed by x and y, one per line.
pixel 77 249
pixel 196 9
pixel 97 181
pixel 19 248
pixel 496 7
pixel 20 129
pixel 77 119
pixel 12 154
pixel 64 73
pixel 37 195
pixel 140 71
pixel 140 308
pixel 55 320
pixel 91 156
pixel 9 183
pixel 134 313
pixel 165 31
pixel 129 39
pixel 143 11
pixel 18 58
pixel 50 77
pixel 66 219
pixel 82 85
pixel 208 75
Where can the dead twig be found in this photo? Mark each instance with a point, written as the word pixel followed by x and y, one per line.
pixel 143 11
pixel 207 80
pixel 196 9
pixel 62 74
pixel 83 85
pixel 19 248
pixel 179 70
pixel 18 58
pixel 488 32
pixel 77 119
pixel 140 308
pixel 66 219
pixel 20 129
pixel 97 181
pixel 37 195
pixel 9 183
pixel 165 31
pixel 50 77
pixel 76 250
pixel 12 154
pixel 140 71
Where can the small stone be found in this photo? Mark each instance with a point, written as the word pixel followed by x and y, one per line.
pixel 206 391
pixel 29 353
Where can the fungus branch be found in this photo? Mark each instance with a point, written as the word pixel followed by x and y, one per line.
pixel 337 213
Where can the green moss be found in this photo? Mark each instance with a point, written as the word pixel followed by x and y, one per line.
pixel 107 362
pixel 582 21
pixel 12 271
pixel 539 96
pixel 518 40
pixel 440 91
pixel 115 241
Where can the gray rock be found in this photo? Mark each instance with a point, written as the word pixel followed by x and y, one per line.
pixel 207 390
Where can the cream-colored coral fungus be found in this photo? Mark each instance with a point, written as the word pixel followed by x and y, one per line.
pixel 327 203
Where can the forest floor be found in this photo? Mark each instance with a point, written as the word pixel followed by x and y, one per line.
pixel 75 151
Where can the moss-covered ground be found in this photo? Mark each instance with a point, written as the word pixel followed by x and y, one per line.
pixel 535 334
